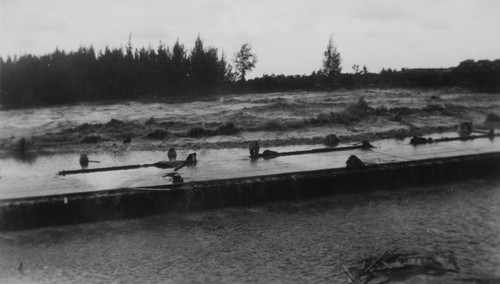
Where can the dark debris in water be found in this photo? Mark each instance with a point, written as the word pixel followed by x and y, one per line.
pixel 91 139
pixel 305 114
pixel 393 266
pixel 228 128
pixel 157 134
pixel 492 118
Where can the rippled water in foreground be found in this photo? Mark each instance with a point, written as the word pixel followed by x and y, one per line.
pixel 291 242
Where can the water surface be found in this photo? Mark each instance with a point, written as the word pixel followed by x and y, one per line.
pixel 289 242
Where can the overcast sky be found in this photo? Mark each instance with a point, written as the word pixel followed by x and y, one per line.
pixel 288 36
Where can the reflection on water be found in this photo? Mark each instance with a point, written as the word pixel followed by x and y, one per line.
pixel 289 242
pixel 22 157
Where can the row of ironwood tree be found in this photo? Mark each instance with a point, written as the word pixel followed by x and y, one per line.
pixel 119 73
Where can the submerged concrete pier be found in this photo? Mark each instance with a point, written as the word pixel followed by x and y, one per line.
pixel 74 208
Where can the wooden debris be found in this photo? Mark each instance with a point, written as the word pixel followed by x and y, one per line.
pixel 418 140
pixel 382 267
pixel 353 162
pixel 375 261
pixel 191 159
pixel 365 145
pixel 346 271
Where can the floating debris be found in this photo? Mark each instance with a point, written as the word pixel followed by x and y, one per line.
pixel 353 162
pixel 157 134
pixel 20 145
pixel 331 140
pixel 465 128
pixel 84 160
pixel 172 154
pixel 160 165
pixel 254 147
pixel 418 140
pixel 269 153
pixel 401 134
pixel 364 145
pixel 492 118
pixel 391 265
pixel 20 268
pixel 91 139
pixel 150 121
pixel 175 177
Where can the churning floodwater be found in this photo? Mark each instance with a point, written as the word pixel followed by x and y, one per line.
pixel 277 106
pixel 289 242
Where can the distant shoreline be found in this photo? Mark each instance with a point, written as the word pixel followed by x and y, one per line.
pixel 68 78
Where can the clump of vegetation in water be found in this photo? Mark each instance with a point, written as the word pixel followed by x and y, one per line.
pixel 199 131
pixel 150 121
pixel 158 134
pixel 91 139
pixel 492 118
pixel 227 129
pixel 359 109
pixel 352 113
pixel 274 125
pixel 114 125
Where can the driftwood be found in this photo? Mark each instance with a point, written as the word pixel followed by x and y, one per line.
pixel 347 273
pixel 272 154
pixel 380 269
pixel 161 165
pixel 418 140
pixel 375 262
pixel 191 159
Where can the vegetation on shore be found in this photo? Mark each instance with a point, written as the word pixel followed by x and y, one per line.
pixel 176 73
pixel 119 73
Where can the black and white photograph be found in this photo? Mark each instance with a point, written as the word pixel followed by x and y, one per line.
pixel 233 141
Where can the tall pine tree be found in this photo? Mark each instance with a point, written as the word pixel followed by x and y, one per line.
pixel 331 60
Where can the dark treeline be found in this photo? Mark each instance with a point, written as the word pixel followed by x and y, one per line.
pixel 176 73
pixel 482 76
pixel 122 73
